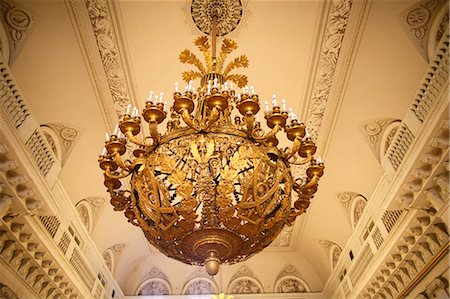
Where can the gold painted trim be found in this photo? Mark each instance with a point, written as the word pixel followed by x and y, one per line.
pixel 423 272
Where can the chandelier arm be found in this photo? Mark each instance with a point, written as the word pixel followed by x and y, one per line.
pixel 123 174
pixel 187 119
pixel 137 141
pixel 309 186
pixel 295 148
pixel 269 134
pixel 153 128
pixel 297 213
pixel 213 117
pixel 117 158
pixel 249 119
pixel 304 161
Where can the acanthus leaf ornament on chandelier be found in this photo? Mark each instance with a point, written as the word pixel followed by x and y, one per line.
pixel 210 190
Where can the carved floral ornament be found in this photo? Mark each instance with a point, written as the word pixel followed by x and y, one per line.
pixel 379 133
pixel 16 22
pixel 424 21
pixel 289 281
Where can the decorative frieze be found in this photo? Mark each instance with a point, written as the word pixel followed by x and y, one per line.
pixel 108 49
pixel 329 56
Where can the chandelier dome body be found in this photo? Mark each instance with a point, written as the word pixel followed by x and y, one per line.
pixel 214 188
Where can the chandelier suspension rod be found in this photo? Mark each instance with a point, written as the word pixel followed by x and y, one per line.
pixel 215 17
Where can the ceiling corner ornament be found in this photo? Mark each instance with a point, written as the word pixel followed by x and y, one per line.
pixel 213 188
pixel 379 134
pixel 63 140
pixel 100 17
pixel 418 21
pixel 284 238
pixel 353 204
pixel 328 59
pixel 232 14
pixel 333 251
pixel 17 22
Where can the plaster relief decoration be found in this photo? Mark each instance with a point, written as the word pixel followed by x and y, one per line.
pixel 329 56
pixel 6 292
pixel 244 281
pixel 379 133
pixel 17 21
pixel 418 21
pixel 154 286
pixel 353 204
pixel 438 288
pixel 17 194
pixel 85 213
pixel 108 256
pixel 62 137
pixel 108 49
pixel 90 209
pixel 200 286
pixel 112 255
pixel 290 281
pixel 333 251
pixel 155 282
pixel 233 16
pixel 430 176
pixel 284 238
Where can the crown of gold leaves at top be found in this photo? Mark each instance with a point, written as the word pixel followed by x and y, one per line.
pixel 217 66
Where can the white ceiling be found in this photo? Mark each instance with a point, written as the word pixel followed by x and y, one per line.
pixel 282 40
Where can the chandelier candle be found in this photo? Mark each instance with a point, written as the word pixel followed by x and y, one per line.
pixel 210 190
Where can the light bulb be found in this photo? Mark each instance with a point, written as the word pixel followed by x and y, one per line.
pixel 176 86
pixel 274 100
pixel 116 130
pixel 266 106
pixel 307 136
pixel 104 152
pixel 150 96
pixel 161 97
pixel 128 109
pixel 107 136
pixel 283 105
pixel 252 89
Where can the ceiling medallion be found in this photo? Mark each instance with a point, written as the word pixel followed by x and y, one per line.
pixel 229 15
pixel 213 188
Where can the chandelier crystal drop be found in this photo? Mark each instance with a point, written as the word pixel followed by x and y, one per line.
pixel 214 188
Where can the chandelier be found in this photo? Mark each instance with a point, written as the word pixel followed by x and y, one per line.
pixel 214 188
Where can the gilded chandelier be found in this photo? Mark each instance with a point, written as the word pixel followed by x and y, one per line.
pixel 214 188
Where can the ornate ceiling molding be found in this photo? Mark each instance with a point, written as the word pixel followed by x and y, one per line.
pixel 102 56
pixel 329 55
pixel 334 63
